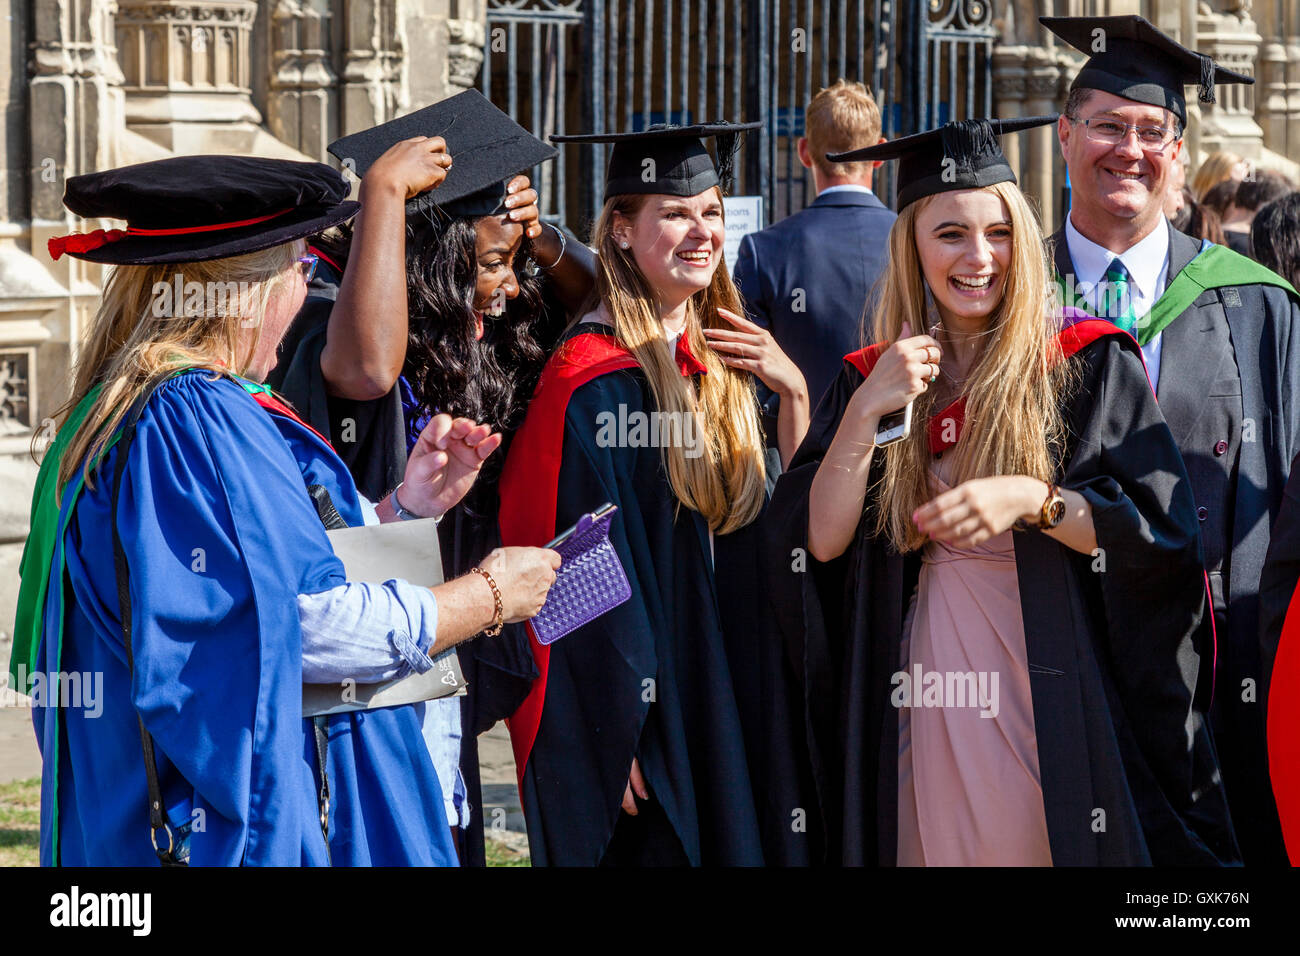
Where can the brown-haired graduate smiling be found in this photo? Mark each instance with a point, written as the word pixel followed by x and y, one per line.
pixel 641 737
pixel 995 628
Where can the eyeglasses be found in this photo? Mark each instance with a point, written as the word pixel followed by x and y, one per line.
pixel 1112 133
pixel 307 265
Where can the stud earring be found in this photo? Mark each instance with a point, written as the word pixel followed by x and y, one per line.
pixel 622 245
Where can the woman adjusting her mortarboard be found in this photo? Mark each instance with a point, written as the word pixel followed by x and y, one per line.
pixel 223 594
pixel 643 736
pixel 997 632
pixel 444 297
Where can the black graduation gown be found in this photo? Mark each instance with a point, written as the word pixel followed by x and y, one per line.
pixel 368 435
pixel 1229 388
pixel 1127 768
pixel 673 677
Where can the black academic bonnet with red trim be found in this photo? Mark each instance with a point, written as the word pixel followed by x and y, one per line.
pixel 1129 57
pixel 667 160
pixel 487 150
pixel 196 208
pixel 964 154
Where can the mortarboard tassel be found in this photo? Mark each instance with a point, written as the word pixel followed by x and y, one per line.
pixel 83 242
pixel 966 140
pixel 1207 79
pixel 728 146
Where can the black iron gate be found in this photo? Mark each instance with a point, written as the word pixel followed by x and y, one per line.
pixel 613 65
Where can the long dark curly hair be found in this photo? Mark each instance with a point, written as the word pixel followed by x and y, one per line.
pixel 489 379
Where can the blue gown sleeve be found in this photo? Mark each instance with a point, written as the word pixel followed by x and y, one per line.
pixel 367 632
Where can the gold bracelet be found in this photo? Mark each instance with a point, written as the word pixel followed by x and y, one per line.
pixel 499 620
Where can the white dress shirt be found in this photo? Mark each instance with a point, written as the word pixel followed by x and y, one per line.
pixel 846 188
pixel 1147 263
pixel 379 632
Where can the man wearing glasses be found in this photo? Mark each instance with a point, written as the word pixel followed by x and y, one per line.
pixel 1217 332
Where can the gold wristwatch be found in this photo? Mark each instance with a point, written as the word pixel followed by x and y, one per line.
pixel 1053 511
pixel 1051 514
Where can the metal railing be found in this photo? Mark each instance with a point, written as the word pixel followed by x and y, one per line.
pixel 618 65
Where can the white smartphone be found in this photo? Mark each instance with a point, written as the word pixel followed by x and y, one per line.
pixel 895 426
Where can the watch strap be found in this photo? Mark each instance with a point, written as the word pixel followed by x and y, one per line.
pixel 397 505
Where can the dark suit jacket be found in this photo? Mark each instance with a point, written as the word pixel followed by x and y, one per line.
pixel 807 278
pixel 1230 390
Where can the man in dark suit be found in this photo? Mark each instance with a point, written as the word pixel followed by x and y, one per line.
pixel 1219 334
pixel 807 278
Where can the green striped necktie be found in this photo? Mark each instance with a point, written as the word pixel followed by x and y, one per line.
pixel 1115 302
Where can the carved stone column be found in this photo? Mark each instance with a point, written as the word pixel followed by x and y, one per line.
pixel 374 57
pixel 1289 30
pixel 1042 96
pixel 1231 39
pixel 75 97
pixel 185 61
pixel 187 68
pixel 465 40
pixel 75 107
pixel 35 314
pixel 1271 75
pixel 1010 79
pixel 302 100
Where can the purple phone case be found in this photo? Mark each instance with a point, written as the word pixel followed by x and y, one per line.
pixel 590 581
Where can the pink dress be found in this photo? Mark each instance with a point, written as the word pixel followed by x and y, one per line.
pixel 969 790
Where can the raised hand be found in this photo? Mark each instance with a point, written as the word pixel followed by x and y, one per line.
pixel 522 203
pixel 751 348
pixel 445 463
pixel 903 371
pixel 411 166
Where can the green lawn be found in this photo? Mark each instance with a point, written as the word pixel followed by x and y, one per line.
pixel 498 854
pixel 20 822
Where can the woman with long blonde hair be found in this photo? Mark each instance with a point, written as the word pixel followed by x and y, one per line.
pixel 1000 623
pixel 178 562
pixel 1218 167
pixel 630 746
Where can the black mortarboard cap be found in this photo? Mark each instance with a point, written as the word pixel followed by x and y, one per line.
pixel 1131 58
pixel 681 164
pixel 195 208
pixel 960 155
pixel 487 150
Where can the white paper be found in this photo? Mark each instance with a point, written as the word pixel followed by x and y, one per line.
pixel 407 550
